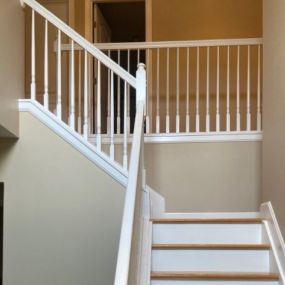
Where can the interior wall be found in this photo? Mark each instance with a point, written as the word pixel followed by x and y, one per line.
pixel 62 213
pixel 206 177
pixel 11 65
pixel 206 19
pixel 274 102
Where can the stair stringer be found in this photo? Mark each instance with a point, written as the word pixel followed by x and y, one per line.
pixel 100 159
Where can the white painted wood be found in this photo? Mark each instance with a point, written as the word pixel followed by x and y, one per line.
pixel 167 119
pixel 208 92
pixel 275 237
pixel 148 121
pixel 75 140
pixel 72 89
pixel 228 118
pixel 198 91
pixel 157 91
pixel 238 90
pixel 125 151
pixel 211 260
pixel 46 95
pixel 207 233
pixel 218 92
pixel 85 122
pixel 180 44
pixel 129 100
pixel 141 83
pixel 119 98
pixel 109 98
pixel 259 90
pixel 189 137
pixel 177 90
pixel 187 92
pixel 58 72
pixel 212 282
pixel 157 204
pixel 248 115
pixel 99 105
pixel 112 148
pixel 208 215
pixel 79 118
pixel 33 58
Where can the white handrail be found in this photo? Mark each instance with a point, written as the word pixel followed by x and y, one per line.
pixel 134 186
pixel 176 44
pixel 81 41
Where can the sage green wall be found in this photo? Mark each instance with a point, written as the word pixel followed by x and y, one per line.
pixel 274 107
pixel 62 213
pixel 11 65
pixel 206 177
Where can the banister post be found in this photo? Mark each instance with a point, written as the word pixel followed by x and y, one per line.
pixel 141 84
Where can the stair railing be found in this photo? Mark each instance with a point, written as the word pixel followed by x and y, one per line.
pixel 66 89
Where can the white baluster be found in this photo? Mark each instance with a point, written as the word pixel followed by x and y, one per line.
pixel 112 149
pixel 46 96
pixel 258 92
pixel 147 119
pixel 128 99
pixel 228 126
pixel 177 90
pixel 218 92
pixel 72 91
pixel 33 59
pixel 248 116
pixel 187 93
pixel 238 90
pixel 208 92
pixel 125 155
pixel 79 122
pixel 109 98
pixel 167 92
pixel 119 98
pixel 157 94
pixel 98 136
pixel 198 91
pixel 85 123
pixel 58 104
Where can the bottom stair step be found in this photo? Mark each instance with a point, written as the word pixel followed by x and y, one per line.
pixel 209 276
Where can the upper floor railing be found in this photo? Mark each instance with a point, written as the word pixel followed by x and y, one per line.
pixel 197 86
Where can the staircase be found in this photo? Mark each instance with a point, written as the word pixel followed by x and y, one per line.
pixel 211 251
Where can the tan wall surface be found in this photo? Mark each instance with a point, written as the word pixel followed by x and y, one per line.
pixel 62 213
pixel 11 65
pixel 205 177
pixel 206 19
pixel 274 102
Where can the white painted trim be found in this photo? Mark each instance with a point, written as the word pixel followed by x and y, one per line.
pixel 75 140
pixel 157 204
pixel 172 44
pixel 188 137
pixel 275 237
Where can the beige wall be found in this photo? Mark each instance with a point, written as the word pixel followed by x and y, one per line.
pixel 62 213
pixel 206 19
pixel 11 65
pixel 205 177
pixel 274 102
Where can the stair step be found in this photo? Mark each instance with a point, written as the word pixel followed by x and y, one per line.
pixel 211 246
pixel 226 276
pixel 209 221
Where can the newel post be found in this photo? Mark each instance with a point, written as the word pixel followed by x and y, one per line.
pixel 141 83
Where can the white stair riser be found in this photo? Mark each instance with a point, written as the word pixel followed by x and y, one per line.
pixel 209 282
pixel 211 260
pixel 207 233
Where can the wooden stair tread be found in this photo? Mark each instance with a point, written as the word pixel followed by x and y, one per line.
pixel 211 246
pixel 208 221
pixel 249 276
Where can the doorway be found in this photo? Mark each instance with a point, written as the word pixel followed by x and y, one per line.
pixel 118 22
